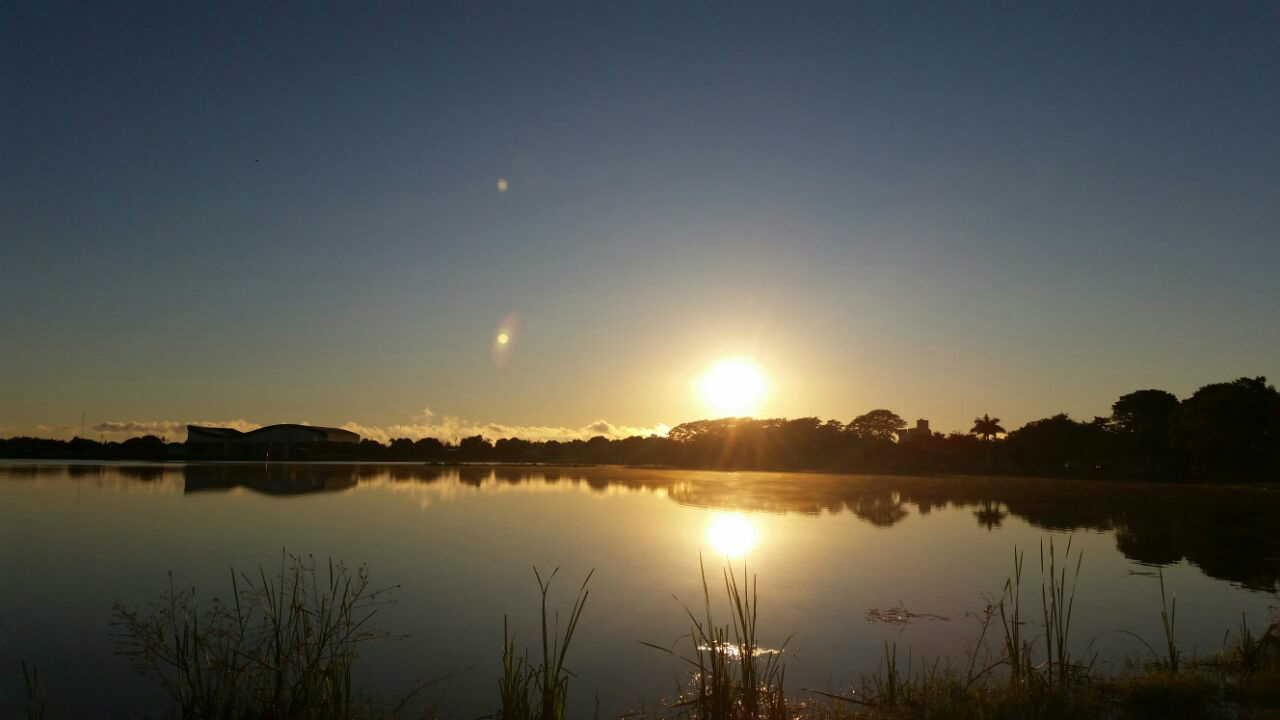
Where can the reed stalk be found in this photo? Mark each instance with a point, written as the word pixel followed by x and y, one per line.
pixel 734 677
pixel 35 699
pixel 1017 650
pixel 284 647
pixel 1168 622
pixel 526 692
pixel 1057 599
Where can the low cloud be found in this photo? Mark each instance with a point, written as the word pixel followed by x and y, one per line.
pixel 171 429
pixel 426 424
pixel 451 429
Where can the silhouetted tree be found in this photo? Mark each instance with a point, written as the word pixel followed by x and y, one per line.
pixel 514 450
pixel 428 448
pixel 401 450
pixel 876 425
pixel 372 450
pixel 986 427
pixel 1144 412
pixel 147 447
pixel 1232 430
pixel 475 448
pixel 1059 445
pixel 1145 421
pixel 1224 431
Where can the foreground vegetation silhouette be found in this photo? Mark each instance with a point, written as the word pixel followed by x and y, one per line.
pixel 732 676
pixel 1224 432
pixel 283 647
pixel 286 648
pixel 539 691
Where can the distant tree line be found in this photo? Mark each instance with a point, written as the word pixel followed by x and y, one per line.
pixel 1223 432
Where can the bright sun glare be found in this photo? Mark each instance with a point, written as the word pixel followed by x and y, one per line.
pixel 731 534
pixel 734 386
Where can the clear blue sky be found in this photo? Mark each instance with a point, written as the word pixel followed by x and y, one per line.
pixel 290 213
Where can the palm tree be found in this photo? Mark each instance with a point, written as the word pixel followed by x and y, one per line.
pixel 986 427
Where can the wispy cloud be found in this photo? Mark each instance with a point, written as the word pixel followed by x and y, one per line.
pixel 172 429
pixel 451 429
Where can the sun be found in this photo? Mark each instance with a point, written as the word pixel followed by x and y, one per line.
pixel 733 386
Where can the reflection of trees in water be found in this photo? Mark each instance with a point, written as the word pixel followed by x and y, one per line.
pixel 1228 532
pixel 99 473
pixel 880 510
pixel 990 514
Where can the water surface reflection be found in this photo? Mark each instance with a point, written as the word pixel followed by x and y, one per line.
pixel 460 541
pixel 1228 532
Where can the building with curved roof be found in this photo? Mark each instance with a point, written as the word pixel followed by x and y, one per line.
pixel 284 434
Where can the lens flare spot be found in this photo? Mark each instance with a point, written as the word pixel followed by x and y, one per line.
pixel 505 338
pixel 731 534
pixel 502 185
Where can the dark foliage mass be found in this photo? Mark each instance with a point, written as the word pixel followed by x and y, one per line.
pixel 1224 432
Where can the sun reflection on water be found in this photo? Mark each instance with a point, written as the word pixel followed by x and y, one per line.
pixel 731 534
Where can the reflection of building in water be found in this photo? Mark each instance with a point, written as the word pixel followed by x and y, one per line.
pixel 281 438
pixel 281 479
pixel 919 432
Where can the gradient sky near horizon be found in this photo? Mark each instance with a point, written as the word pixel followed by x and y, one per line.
pixel 284 213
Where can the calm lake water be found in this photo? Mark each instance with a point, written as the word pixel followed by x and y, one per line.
pixel 461 542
